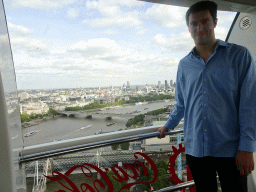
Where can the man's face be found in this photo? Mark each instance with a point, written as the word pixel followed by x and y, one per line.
pixel 201 27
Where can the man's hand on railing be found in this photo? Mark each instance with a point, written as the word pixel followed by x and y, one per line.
pixel 162 130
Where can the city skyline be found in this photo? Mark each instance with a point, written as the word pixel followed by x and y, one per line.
pixel 171 84
pixel 73 44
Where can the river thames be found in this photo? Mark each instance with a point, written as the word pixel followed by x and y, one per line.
pixel 63 128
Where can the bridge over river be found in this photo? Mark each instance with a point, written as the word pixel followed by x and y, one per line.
pixel 124 111
pixel 91 114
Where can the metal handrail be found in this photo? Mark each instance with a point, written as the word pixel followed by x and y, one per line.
pixel 181 186
pixel 99 141
pixel 178 186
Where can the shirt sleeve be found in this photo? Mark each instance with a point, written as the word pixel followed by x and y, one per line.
pixel 178 110
pixel 247 106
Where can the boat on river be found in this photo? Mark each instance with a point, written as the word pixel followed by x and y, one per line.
pixel 87 126
pixel 141 103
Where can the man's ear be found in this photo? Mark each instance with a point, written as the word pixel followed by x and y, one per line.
pixel 216 20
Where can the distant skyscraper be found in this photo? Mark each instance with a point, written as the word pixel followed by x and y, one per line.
pixel 165 84
pixel 159 84
pixel 128 84
pixel 171 83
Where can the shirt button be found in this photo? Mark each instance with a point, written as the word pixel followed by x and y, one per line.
pixel 204 92
pixel 204 104
pixel 204 117
pixel 204 79
pixel 205 130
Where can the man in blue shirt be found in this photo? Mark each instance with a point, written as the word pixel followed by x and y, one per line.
pixel 216 95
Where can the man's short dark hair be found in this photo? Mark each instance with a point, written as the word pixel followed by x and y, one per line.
pixel 202 6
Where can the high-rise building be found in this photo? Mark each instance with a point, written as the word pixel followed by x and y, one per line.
pixel 128 84
pixel 171 83
pixel 165 84
pixel 159 84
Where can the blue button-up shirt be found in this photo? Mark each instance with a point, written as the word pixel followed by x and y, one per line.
pixel 218 102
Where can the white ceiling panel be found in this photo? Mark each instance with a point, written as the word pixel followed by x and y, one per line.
pixel 246 6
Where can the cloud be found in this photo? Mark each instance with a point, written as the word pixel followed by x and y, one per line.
pixel 32 47
pixel 72 13
pixel 181 42
pixel 105 61
pixel 25 48
pixel 225 18
pixel 126 3
pixel 91 4
pixel 110 31
pixel 125 20
pixel 221 32
pixel 113 15
pixel 19 30
pixel 42 4
pixel 94 62
pixel 98 48
pixel 167 16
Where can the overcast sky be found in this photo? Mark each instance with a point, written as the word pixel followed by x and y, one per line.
pixel 80 43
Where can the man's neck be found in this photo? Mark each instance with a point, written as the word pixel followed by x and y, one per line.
pixel 208 49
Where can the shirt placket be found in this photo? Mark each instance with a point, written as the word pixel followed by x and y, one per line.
pixel 204 107
pixel 205 121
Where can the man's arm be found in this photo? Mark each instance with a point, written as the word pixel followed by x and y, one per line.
pixel 178 110
pixel 247 115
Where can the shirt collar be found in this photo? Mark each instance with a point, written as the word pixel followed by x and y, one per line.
pixel 219 43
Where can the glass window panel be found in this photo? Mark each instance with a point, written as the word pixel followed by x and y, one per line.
pixel 118 57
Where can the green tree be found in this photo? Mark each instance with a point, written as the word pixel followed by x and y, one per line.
pixel 116 185
pixel 125 146
pixel 162 174
pixel 128 123
pixel 77 108
pixel 139 119
pixel 146 178
pixel 24 117
pixel 161 164
pixel 32 116
pixel 162 180
pixel 39 116
pixel 45 115
pixel 115 146
pixel 52 111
